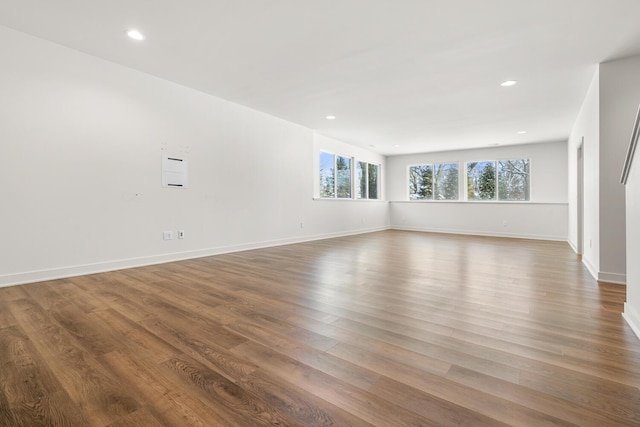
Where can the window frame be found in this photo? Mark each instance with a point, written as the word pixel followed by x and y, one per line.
pixel 433 181
pixel 354 182
pixel 496 199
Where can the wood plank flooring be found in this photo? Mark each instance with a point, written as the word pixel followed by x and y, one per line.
pixel 386 329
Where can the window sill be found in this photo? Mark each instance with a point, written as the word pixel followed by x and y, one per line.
pixel 481 202
pixel 333 199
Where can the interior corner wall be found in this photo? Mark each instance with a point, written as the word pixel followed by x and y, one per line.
pixel 543 217
pixel 82 141
pixel 632 305
pixel 619 101
pixel 632 202
pixel 586 128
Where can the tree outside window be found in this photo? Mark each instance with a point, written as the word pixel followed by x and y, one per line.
pixel 327 175
pixel 433 182
pixel 336 176
pixel 513 179
pixel 373 181
pixel 481 180
pixel 343 177
pixel 506 180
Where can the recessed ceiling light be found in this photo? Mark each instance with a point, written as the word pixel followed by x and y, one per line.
pixel 330 117
pixel 135 34
pixel 508 83
pixel 397 145
pixel 522 132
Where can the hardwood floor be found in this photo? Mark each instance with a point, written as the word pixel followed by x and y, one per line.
pixel 389 329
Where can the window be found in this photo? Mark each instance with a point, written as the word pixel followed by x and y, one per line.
pixel 373 181
pixel 445 181
pixel 481 180
pixel 513 179
pixel 327 176
pixel 343 177
pixel 367 180
pixel 361 180
pixel 433 182
pixel 337 174
pixel 498 180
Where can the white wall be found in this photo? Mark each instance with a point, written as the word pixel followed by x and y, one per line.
pixel 587 126
pixel 632 306
pixel 544 217
pixel 619 100
pixel 605 121
pixel 82 141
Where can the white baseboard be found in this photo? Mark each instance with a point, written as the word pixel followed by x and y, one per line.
pixel 632 318
pixel 573 247
pixel 618 279
pixel 480 233
pixel 590 267
pixel 101 267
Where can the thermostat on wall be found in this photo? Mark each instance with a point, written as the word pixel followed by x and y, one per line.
pixel 174 172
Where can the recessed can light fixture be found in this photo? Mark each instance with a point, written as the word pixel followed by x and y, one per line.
pixel 330 117
pixel 508 83
pixel 522 132
pixel 397 145
pixel 135 34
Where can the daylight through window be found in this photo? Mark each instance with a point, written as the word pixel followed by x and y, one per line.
pixel 506 180
pixel 433 182
pixel 343 175
pixel 338 179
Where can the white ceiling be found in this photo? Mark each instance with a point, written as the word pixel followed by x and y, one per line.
pixel 420 74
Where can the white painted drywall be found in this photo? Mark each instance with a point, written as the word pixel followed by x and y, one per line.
pixel 544 217
pixel 632 306
pixel 587 126
pixel 619 100
pixel 82 141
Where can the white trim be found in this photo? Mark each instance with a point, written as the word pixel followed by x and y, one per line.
pixel 480 233
pixel 481 202
pixel 101 267
pixel 632 318
pixel 346 199
pixel 617 278
pixel 573 247
pixel 590 267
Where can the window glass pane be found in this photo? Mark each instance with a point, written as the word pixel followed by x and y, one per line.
pixel 361 177
pixel 421 182
pixel 343 177
pixel 481 180
pixel 327 179
pixel 373 181
pixel 513 179
pixel 445 181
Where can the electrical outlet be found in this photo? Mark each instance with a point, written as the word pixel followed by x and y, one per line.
pixel 181 234
pixel 505 223
pixel 167 235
